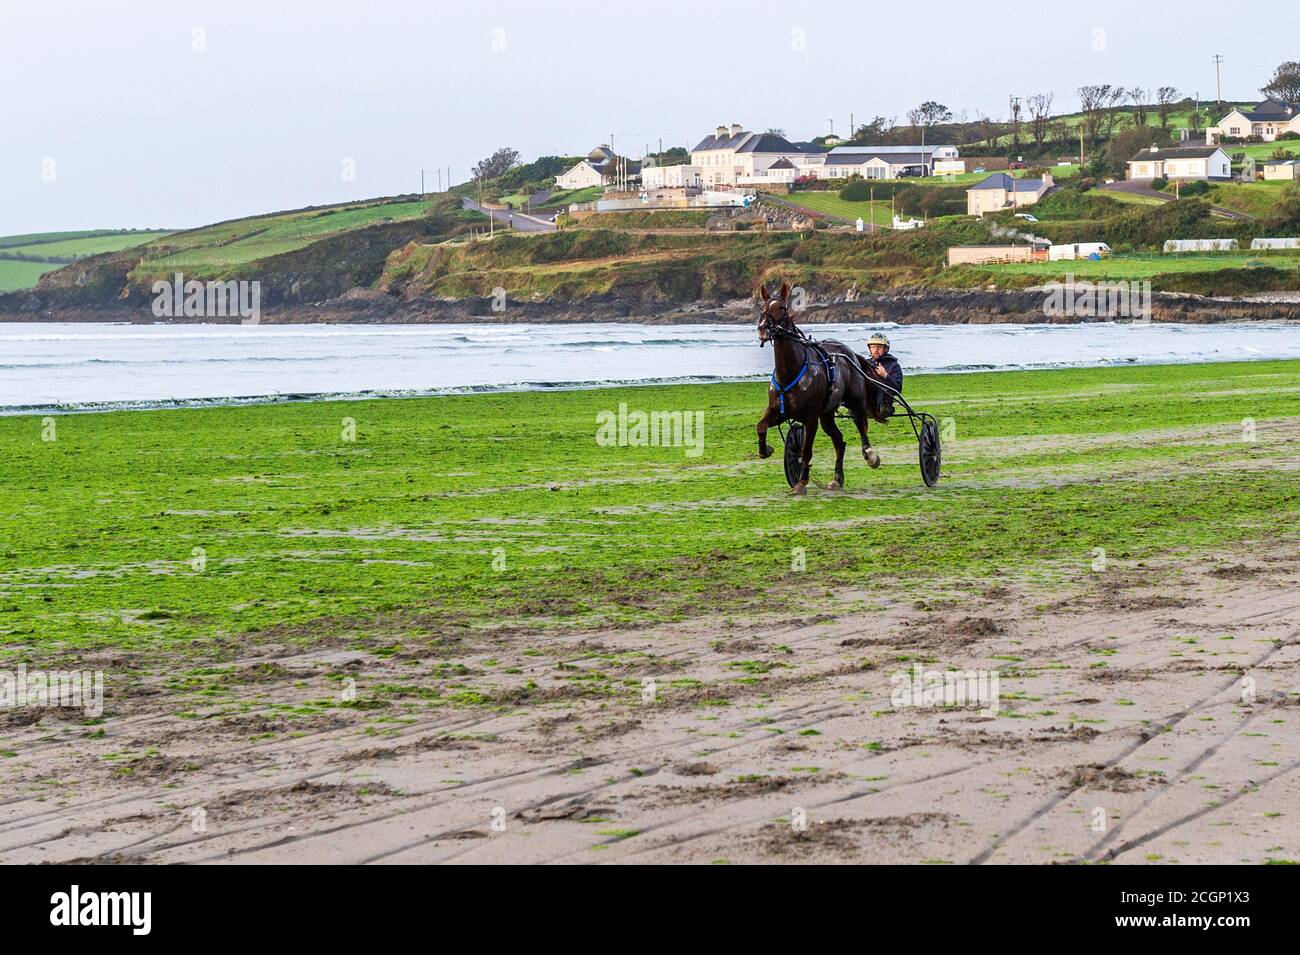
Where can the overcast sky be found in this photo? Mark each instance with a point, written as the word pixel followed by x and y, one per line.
pixel 174 114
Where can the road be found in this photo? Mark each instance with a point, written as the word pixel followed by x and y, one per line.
pixel 1139 188
pixel 517 220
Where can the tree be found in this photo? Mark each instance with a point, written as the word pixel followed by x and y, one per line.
pixel 872 132
pixel 1166 97
pixel 1040 111
pixel 1110 114
pixel 1092 103
pixel 774 131
pixel 1139 97
pixel 1015 123
pixel 498 164
pixel 929 113
pixel 1285 84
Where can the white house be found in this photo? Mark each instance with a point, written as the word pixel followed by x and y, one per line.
pixel 1181 162
pixel 735 156
pixel 1269 120
pixel 581 176
pixel 890 162
pixel 659 177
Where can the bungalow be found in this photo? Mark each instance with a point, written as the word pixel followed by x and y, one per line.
pixel 1181 162
pixel 1269 120
pixel 890 162
pixel 670 177
pixel 600 164
pixel 872 165
pixel 581 176
pixel 1280 169
pixel 1000 191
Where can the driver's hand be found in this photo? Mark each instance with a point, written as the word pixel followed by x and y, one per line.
pixel 880 371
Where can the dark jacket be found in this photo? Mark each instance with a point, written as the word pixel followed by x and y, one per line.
pixel 893 377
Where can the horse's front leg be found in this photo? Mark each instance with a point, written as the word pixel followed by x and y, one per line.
pixel 809 433
pixel 770 418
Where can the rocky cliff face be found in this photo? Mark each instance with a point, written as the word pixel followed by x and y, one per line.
pixel 913 308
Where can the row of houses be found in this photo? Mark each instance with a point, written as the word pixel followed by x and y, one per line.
pixel 1267 121
pixel 734 157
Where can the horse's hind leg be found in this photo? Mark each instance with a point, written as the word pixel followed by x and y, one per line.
pixel 837 439
pixel 868 454
pixel 809 433
pixel 770 417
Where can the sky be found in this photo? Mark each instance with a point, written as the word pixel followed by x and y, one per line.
pixel 143 114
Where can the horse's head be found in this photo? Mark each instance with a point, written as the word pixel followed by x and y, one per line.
pixel 774 313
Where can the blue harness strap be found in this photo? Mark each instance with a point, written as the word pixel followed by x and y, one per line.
pixel 781 391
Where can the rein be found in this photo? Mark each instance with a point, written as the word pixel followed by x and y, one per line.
pixel 829 362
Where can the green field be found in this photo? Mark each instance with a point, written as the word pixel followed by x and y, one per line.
pixel 38 246
pixel 234 243
pixel 1255 198
pixel 1132 198
pixel 829 203
pixel 1124 266
pixel 1068 171
pixel 20 275
pixel 204 531
pixel 75 244
pixel 1262 151
pixel 559 198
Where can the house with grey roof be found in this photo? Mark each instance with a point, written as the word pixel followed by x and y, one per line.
pixel 1276 170
pixel 1000 191
pixel 1181 162
pixel 599 165
pixel 1268 120
pixel 735 156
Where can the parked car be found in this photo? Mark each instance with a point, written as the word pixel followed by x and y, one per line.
pixel 1026 216
pixel 1017 164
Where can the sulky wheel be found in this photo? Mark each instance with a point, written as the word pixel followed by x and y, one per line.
pixel 794 454
pixel 930 451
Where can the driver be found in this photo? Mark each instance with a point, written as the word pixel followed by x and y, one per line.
pixel 886 369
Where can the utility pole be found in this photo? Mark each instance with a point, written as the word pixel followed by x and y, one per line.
pixel 440 180
pixel 871 209
pixel 1081 147
pixel 1015 121
pixel 832 122
pixel 1218 86
pixel 422 193
pixel 852 129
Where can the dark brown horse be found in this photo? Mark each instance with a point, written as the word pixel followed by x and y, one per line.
pixel 810 381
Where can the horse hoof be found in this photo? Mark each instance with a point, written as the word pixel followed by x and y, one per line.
pixel 800 489
pixel 764 452
pixel 834 486
pixel 873 459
